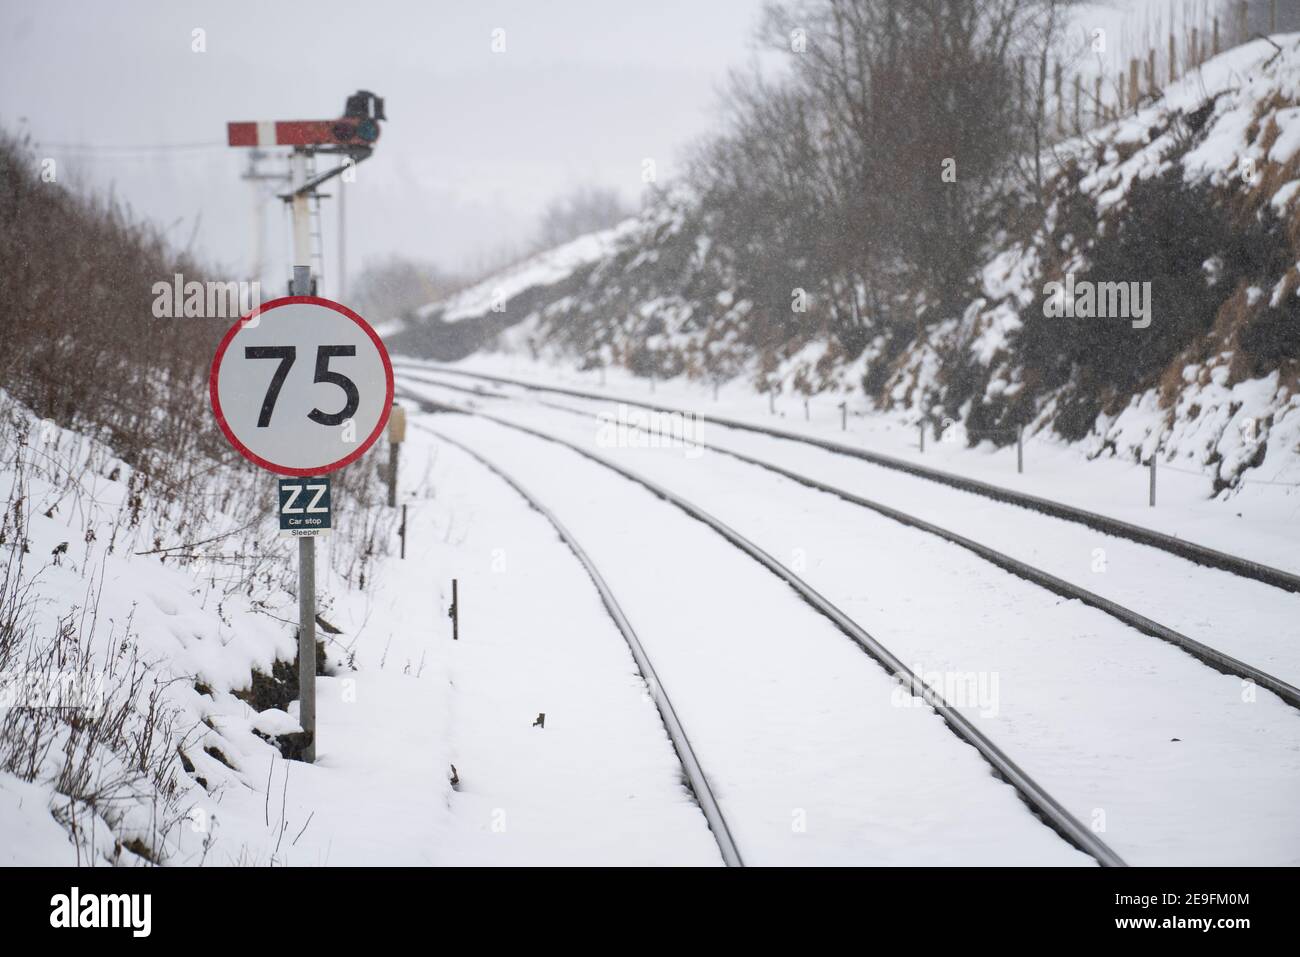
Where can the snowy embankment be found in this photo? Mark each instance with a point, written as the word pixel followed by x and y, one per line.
pixel 103 583
pixel 1222 413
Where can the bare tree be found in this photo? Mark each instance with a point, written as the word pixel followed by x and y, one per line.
pixel 585 210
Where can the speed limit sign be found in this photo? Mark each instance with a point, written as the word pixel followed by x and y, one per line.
pixel 301 386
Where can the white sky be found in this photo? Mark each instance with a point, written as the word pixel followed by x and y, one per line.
pixel 476 144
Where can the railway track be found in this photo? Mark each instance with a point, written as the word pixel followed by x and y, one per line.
pixel 1200 554
pixel 672 724
pixel 1047 808
pixel 1204 653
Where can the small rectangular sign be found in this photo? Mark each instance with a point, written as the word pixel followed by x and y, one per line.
pixel 304 507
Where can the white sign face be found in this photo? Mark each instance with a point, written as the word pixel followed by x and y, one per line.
pixel 302 386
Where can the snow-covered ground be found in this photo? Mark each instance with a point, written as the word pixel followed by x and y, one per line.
pixel 599 783
pixel 1256 521
pixel 1115 722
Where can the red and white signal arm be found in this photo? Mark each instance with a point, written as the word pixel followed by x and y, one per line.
pixel 301 386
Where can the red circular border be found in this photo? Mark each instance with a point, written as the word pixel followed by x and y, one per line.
pixel 249 453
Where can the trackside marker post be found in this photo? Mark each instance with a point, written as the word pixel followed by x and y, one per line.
pixel 396 436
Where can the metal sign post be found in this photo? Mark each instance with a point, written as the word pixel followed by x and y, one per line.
pixel 327 397
pixel 302 387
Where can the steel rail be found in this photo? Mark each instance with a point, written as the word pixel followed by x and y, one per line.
pixel 1049 810
pixel 695 775
pixel 1200 554
pixel 1218 660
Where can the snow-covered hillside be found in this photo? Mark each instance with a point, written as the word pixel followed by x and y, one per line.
pixel 1213 382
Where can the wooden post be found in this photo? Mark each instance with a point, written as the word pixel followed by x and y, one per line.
pixel 1194 54
pixel 402 531
pixel 922 426
pixel 1173 59
pixel 1272 17
pixel 392 472
pixel 1243 22
pixel 1216 36
pixel 844 416
pixel 1153 479
pixel 396 436
pixel 1133 83
pixel 1020 449
pixel 1096 103
pixel 1151 71
pixel 454 611
pixel 1119 93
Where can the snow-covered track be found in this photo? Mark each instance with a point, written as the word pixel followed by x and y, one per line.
pixel 676 732
pixel 1043 804
pixel 1201 554
pixel 1213 657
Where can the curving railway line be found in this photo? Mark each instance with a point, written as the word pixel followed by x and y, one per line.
pixel 1043 805
pixel 1203 652
pixel 1200 554
pixel 1038 785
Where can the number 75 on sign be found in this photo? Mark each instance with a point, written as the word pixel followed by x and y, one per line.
pixel 302 386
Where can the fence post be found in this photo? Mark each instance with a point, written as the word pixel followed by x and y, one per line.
pixel 1173 59
pixel 1216 36
pixel 1272 17
pixel 1020 450
pixel 1151 71
pixel 1243 22
pixel 1153 479
pixel 454 611
pixel 403 530
pixel 844 416
pixel 922 427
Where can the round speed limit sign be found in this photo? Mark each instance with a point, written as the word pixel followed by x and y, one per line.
pixel 301 386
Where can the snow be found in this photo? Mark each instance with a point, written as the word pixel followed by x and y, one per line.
pixel 792 723
pixel 1253 521
pixel 599 784
pixel 542 269
pixel 1110 720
